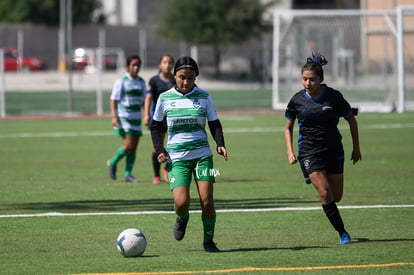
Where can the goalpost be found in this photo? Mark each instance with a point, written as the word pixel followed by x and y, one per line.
pixel 370 55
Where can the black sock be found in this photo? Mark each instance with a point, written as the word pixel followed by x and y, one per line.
pixel 155 165
pixel 332 213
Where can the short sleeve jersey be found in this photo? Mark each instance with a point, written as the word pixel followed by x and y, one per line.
pixel 186 116
pixel 157 86
pixel 318 119
pixel 129 94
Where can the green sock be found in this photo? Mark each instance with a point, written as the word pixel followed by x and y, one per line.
pixel 183 215
pixel 208 227
pixel 120 153
pixel 130 160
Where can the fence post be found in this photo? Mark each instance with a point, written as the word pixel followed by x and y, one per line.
pixel 400 59
pixel 2 96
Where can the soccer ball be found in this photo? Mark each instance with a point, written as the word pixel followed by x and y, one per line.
pixel 131 243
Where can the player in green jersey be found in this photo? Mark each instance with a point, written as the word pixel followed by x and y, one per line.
pixel 127 99
pixel 186 108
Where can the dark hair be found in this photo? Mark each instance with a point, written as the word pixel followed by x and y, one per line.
pixel 132 57
pixel 315 63
pixel 186 62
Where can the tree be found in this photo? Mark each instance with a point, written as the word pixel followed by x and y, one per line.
pixel 218 23
pixel 45 11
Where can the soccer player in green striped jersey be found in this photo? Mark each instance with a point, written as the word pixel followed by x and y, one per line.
pixel 187 108
pixel 127 99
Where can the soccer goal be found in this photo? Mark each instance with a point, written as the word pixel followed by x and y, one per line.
pixel 370 54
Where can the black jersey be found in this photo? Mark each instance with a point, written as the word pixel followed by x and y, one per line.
pixel 159 85
pixel 318 119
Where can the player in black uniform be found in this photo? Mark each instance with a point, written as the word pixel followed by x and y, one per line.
pixel 320 152
pixel 159 83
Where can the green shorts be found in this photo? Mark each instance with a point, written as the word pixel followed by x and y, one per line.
pixel 180 172
pixel 123 133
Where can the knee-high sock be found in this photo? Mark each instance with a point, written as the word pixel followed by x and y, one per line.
pixel 119 154
pixel 183 215
pixel 130 160
pixel 209 225
pixel 332 213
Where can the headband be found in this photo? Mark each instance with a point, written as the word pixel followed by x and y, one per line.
pixel 186 66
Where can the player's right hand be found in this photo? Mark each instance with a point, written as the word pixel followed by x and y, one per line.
pixel 114 122
pixel 146 120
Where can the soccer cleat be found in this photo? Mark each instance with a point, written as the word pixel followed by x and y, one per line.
pixel 345 238
pixel 179 228
pixel 210 246
pixel 130 178
pixel 165 174
pixel 156 180
pixel 111 170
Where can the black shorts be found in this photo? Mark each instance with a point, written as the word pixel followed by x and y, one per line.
pixel 331 163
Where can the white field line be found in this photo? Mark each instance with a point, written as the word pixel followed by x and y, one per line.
pixel 274 209
pixel 226 130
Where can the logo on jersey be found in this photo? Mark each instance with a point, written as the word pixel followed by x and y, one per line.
pixel 306 163
pixel 196 103
pixel 205 172
pixel 326 108
pixel 172 103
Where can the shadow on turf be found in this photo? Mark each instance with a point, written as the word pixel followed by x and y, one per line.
pixel 366 240
pixel 269 202
pixel 150 205
pixel 298 248
pixel 294 248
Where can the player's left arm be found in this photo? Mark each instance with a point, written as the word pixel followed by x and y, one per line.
pixel 217 133
pixel 216 128
pixel 353 126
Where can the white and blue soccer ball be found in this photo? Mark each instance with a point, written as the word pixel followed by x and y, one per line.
pixel 131 243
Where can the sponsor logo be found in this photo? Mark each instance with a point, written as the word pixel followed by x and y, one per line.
pixel 207 172
pixel 183 121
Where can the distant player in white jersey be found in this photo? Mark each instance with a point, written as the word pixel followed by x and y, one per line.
pixel 127 99
pixel 187 108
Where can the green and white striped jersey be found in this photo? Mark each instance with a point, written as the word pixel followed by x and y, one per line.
pixel 129 94
pixel 186 120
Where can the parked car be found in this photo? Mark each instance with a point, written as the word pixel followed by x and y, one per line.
pixel 12 62
pixel 83 57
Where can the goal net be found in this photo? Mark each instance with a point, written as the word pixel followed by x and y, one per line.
pixel 370 55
